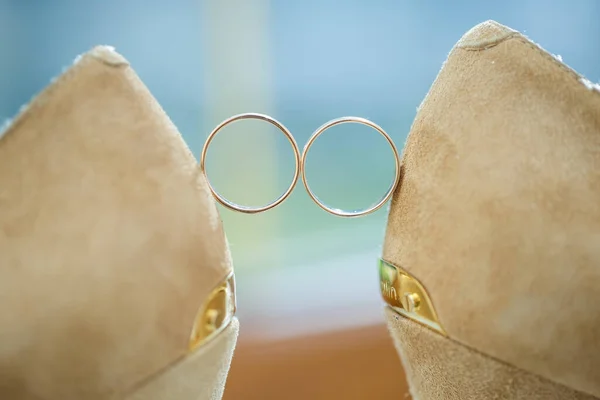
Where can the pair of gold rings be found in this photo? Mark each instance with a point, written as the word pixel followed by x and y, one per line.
pixel 301 165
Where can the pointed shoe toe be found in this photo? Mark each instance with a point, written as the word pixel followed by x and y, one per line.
pixel 110 244
pixel 497 218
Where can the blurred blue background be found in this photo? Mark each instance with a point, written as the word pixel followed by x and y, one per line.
pixel 303 62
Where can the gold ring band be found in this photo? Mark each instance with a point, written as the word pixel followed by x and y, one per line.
pixel 280 199
pixel 345 120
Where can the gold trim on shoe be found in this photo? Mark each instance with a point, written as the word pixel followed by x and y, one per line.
pixel 407 296
pixel 215 314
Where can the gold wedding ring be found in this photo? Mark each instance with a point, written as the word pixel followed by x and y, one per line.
pixel 345 120
pixel 280 199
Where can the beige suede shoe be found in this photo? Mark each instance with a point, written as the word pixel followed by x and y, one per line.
pixel 115 275
pixel 492 250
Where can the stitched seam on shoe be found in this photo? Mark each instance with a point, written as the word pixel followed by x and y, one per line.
pixel 41 97
pixel 487 43
pixel 397 316
pixel 549 57
pixel 108 56
pixel 523 39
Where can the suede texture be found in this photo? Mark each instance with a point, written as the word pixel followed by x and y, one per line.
pixel 110 240
pixel 497 211
pixel 201 375
pixel 438 368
